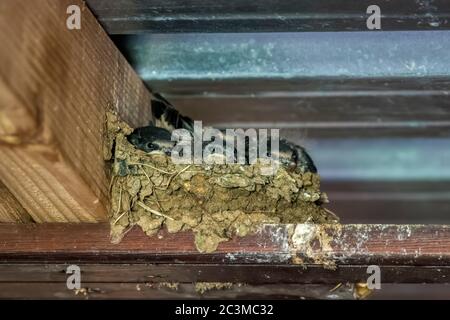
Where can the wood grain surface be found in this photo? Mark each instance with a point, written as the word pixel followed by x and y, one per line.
pixel 56 85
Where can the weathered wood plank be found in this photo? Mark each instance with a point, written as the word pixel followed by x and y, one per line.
pixel 34 260
pixel 263 273
pixel 56 85
pixel 17 123
pixel 147 290
pixel 401 245
pixel 157 16
pixel 51 290
pixel 47 186
pixel 10 209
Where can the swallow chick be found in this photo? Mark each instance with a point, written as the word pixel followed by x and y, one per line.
pixel 166 118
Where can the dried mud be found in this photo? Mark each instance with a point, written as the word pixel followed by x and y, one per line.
pixel 215 202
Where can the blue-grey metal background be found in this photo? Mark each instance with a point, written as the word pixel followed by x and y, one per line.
pixel 306 55
pixel 372 108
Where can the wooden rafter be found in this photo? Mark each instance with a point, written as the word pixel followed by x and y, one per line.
pixel 56 85
pixel 10 209
pixel 278 261
pixel 350 248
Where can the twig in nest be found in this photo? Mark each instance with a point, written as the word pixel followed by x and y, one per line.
pixel 150 166
pixel 118 207
pixel 143 206
pixel 261 211
pixel 181 171
pixel 111 183
pixel 331 213
pixel 145 173
pixel 173 176
pixel 336 287
pixel 157 201
pixel 120 201
pixel 119 217
pixel 128 230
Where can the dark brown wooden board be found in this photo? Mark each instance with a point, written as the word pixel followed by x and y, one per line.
pixel 223 273
pixel 139 16
pixel 117 290
pixel 350 244
pixel 402 245
pixel 279 261
pixel 53 290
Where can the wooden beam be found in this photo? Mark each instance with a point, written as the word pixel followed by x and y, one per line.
pixel 10 209
pixel 406 253
pixel 34 258
pixel 56 85
pixel 17 123
pixel 158 16
pixel 47 186
pixel 146 290
pixel 235 273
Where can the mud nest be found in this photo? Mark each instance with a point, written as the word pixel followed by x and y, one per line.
pixel 215 202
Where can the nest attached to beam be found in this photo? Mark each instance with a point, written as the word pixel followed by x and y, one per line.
pixel 216 202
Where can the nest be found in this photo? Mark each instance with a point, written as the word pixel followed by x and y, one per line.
pixel 216 202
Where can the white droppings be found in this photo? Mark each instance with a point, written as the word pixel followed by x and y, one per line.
pixel 303 234
pixel 230 256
